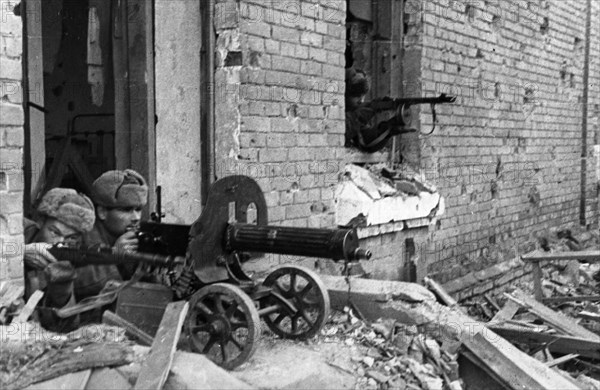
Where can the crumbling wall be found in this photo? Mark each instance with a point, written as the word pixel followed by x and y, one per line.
pixel 11 145
pixel 507 156
pixel 279 92
pixel 279 102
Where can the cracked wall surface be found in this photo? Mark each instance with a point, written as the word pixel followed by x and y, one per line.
pixel 507 156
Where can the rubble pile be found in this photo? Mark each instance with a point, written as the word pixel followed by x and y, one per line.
pixel 394 356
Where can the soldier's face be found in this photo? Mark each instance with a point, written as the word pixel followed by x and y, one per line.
pixel 53 231
pixel 118 220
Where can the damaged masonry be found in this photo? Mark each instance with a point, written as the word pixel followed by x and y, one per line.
pixel 379 194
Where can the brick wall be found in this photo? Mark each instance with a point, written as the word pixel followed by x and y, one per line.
pixel 279 101
pixel 507 155
pixel 11 145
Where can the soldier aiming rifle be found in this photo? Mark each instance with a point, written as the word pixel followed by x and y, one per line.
pixel 361 131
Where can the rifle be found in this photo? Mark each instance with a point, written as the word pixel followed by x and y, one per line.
pixel 403 104
pixel 102 255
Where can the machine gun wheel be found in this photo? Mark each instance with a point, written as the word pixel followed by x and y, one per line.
pixel 223 324
pixel 302 301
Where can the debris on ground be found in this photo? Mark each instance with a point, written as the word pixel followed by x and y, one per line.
pixel 395 356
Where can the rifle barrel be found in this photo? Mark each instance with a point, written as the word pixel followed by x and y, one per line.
pixel 107 256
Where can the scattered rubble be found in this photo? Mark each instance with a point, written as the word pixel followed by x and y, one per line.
pixel 395 356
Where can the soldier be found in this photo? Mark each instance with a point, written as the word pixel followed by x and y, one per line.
pixel 361 131
pixel 64 215
pixel 119 197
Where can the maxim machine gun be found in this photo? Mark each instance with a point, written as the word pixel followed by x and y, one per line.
pixel 203 264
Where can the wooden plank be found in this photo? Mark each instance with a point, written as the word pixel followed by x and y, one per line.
pixel 562 359
pixel 155 369
pixel 28 309
pixel 440 292
pixel 556 343
pixel 75 380
pixel 537 256
pixel 537 282
pixel 514 373
pixel 580 298
pixel 507 312
pixel 557 320
pixel 110 318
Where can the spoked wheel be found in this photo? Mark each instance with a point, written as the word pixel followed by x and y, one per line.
pixel 223 324
pixel 302 299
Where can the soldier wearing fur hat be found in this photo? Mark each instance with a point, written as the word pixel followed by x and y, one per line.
pixel 63 215
pixel 119 197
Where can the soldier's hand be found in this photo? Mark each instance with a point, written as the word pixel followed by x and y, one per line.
pixel 37 255
pixel 60 276
pixel 128 242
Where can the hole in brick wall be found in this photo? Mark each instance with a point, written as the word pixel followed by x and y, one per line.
pixel 473 197
pixel 545 25
pixel 572 81
pixel 534 196
pixel 470 12
pixel 234 58
pixel 292 111
pixel 578 43
pixel 497 90
pixel 529 95
pixel 438 223
pixel 563 74
pixel 458 69
pixel 494 189
pixel 463 189
pixel 3 181
pixel 492 239
pixel 479 54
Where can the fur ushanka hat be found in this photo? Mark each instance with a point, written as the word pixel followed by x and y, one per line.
pixel 69 207
pixel 120 189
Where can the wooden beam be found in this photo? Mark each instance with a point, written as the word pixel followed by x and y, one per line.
pixel 553 318
pixel 110 318
pixel 507 312
pixel 514 372
pixel 440 292
pixel 538 256
pixel 580 298
pixel 155 369
pixel 562 359
pixel 28 309
pixel 556 343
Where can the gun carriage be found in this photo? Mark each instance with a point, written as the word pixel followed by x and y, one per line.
pixel 203 264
